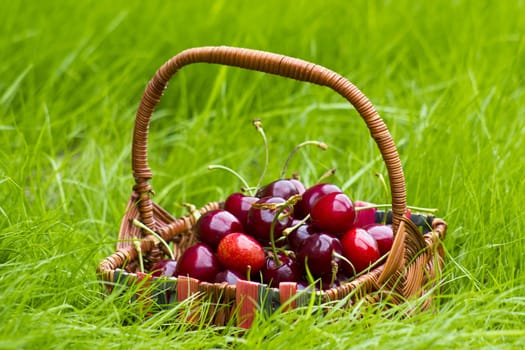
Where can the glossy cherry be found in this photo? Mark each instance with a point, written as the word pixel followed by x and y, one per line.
pixel 360 249
pixel 228 276
pixel 239 204
pixel 215 225
pixel 286 270
pixel 283 188
pixel 200 262
pixel 259 220
pixel 364 217
pixel 298 185
pixel 383 235
pixel 237 251
pixel 311 195
pixel 166 268
pixel 296 237
pixel 333 213
pixel 320 252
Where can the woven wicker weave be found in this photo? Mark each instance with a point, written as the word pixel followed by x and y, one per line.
pixel 412 267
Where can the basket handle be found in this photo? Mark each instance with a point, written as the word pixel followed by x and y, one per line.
pixel 270 63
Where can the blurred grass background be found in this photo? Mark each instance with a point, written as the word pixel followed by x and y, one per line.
pixel 447 77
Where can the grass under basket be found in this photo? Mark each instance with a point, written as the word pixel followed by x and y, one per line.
pixel 447 77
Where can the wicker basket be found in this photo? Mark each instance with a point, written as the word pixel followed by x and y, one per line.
pixel 411 270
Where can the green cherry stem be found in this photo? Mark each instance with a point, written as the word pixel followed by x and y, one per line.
pixel 258 125
pixel 370 267
pixel 388 206
pixel 248 272
pixel 290 229
pixel 192 210
pixel 326 175
pixel 319 144
pixel 156 235
pixel 136 243
pixel 335 269
pixel 309 277
pixel 423 210
pixel 272 234
pixel 342 257
pixel 236 174
pixel 281 207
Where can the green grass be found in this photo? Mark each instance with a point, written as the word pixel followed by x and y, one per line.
pixel 448 77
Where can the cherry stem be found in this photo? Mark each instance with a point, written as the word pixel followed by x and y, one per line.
pixel 388 206
pixel 150 231
pixel 370 267
pixel 280 207
pixel 236 174
pixel 319 144
pixel 258 125
pixel 248 272
pixel 335 269
pixel 309 276
pixel 342 257
pixel 326 175
pixel 136 243
pixel 192 210
pixel 272 235
pixel 290 229
pixel 249 190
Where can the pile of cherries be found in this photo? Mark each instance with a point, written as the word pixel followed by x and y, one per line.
pixel 285 233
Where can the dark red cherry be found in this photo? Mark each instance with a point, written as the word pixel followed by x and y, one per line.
pixel 239 204
pixel 200 262
pixel 360 249
pixel 237 251
pixel 216 224
pixel 333 213
pixel 311 195
pixel 228 276
pixel 320 252
pixel 259 220
pixel 165 268
pixel 296 237
pixel 364 217
pixel 286 270
pixel 299 185
pixel 383 235
pixel 283 188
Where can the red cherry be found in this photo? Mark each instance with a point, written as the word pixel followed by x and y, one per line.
pixel 283 188
pixel 383 235
pixel 216 224
pixel 296 237
pixel 260 220
pixel 298 185
pixel 198 261
pixel 286 270
pixel 360 249
pixel 320 252
pixel 228 276
pixel 237 251
pixel 311 195
pixel 165 268
pixel 364 217
pixel 239 204
pixel 333 213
